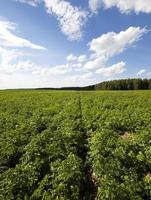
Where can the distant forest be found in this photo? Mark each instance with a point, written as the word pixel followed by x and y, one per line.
pixel 124 84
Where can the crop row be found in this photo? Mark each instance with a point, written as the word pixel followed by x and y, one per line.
pixel 119 130
pixel 48 164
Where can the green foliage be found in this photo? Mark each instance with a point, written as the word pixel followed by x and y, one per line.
pixel 66 178
pixel 120 144
pixel 61 145
pixel 124 84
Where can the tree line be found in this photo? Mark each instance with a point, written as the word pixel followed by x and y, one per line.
pixel 123 84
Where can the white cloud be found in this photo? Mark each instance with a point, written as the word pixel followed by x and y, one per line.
pixel 6 56
pixel 57 70
pixel 94 5
pixel 144 73
pixel 10 57
pixel 111 44
pixel 107 46
pixel 71 18
pixel 71 58
pixel 126 6
pixel 141 72
pixel 8 37
pixel 30 2
pixel 96 63
pixel 80 59
pixel 112 70
pixel 11 63
pixel 26 70
pixel 24 66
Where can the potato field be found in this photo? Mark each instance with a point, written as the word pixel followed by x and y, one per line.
pixel 70 145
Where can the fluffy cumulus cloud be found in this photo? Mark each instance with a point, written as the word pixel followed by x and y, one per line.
pixel 95 63
pixel 10 39
pixel 112 70
pixel 125 6
pixel 111 44
pixel 71 18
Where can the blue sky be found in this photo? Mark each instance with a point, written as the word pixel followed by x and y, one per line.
pixel 55 43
